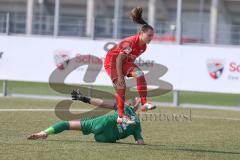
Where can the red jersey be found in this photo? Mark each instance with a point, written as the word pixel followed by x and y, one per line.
pixel 129 46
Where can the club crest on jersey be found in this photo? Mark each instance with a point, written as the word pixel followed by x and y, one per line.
pixel 215 68
pixel 127 50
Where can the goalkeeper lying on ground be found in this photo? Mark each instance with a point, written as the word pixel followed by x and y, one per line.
pixel 104 128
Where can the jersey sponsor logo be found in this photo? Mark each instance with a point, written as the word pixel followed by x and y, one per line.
pixel 135 118
pixel 127 50
pixel 122 127
pixel 215 68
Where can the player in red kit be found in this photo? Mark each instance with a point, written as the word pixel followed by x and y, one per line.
pixel 119 63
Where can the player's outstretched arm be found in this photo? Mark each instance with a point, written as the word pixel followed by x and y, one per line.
pixel 77 95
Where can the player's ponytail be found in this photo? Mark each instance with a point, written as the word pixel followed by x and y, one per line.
pixel 136 15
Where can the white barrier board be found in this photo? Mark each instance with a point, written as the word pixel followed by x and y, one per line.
pixel 191 68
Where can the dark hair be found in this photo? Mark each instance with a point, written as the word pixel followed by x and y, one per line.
pixel 136 15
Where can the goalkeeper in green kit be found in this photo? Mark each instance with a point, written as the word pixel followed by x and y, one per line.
pixel 105 128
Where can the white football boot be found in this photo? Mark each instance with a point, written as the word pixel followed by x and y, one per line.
pixel 147 106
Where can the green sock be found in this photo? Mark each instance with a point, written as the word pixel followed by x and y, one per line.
pixel 58 127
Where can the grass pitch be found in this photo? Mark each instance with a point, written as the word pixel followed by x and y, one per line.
pixel 177 134
pixel 218 99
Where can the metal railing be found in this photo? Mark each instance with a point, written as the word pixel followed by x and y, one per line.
pixel 192 32
pixel 4 23
pixel 43 25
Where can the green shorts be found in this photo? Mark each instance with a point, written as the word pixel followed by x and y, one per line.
pixel 104 128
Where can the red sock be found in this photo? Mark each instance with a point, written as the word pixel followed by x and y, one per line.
pixel 120 98
pixel 142 89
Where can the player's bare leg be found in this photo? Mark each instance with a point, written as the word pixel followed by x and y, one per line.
pixel 56 128
pixel 120 99
pixel 138 74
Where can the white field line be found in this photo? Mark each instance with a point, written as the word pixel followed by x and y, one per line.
pixel 199 106
pixel 85 110
pixel 40 110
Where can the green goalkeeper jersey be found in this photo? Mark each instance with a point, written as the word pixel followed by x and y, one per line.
pixel 106 129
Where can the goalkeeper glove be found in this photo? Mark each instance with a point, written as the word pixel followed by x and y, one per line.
pixel 77 95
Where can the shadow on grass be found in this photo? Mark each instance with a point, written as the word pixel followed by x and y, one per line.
pixel 148 146
pixel 68 141
pixel 165 147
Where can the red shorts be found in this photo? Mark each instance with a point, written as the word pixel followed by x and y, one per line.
pixel 112 71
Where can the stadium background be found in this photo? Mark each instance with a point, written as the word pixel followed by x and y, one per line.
pixel 105 19
pixel 198 23
pixel 189 36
